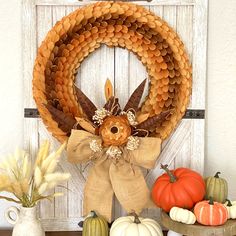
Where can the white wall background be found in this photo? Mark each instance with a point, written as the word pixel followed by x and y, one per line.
pixel 221 88
pixel 11 94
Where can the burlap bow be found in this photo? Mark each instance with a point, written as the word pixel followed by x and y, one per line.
pixel 123 177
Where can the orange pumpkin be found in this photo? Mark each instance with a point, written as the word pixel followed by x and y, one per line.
pixel 180 188
pixel 210 213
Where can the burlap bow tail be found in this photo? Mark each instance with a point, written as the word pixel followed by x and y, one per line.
pixel 108 176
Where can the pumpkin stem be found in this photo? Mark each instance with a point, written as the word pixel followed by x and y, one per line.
pixel 94 214
pixel 136 218
pixel 172 177
pixel 211 202
pixel 229 203
pixel 217 174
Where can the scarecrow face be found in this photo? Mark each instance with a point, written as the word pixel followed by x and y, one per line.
pixel 115 130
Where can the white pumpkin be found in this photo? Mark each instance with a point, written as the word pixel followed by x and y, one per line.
pixel 135 226
pixel 182 215
pixel 231 208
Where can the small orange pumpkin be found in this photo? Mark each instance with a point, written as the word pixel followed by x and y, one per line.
pixel 182 188
pixel 210 213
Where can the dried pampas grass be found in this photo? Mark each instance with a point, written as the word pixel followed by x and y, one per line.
pixel 28 181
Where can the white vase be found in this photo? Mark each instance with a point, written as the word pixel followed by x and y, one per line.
pixel 25 221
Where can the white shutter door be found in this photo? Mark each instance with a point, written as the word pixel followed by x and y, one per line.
pixel 186 145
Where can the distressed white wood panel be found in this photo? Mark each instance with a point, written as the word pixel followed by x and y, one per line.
pixel 186 144
pixel 122 73
pixel 57 13
pixel 169 15
pixel 69 224
pixel 44 24
pixel 183 157
pixel 154 2
pixel 95 69
pixel 185 14
pixel 198 145
pixel 29 45
pixel 46 208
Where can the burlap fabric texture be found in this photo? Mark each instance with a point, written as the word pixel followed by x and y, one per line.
pixel 107 177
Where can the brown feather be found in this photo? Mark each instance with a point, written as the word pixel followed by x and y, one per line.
pixel 88 107
pixel 113 106
pixel 65 122
pixel 140 133
pixel 151 122
pixel 135 98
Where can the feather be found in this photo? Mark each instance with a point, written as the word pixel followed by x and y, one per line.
pixel 108 90
pixel 113 106
pixel 88 107
pixel 86 125
pixel 65 122
pixel 135 98
pixel 140 133
pixel 152 121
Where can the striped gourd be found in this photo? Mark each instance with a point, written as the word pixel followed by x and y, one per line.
pixel 210 213
pixel 95 225
pixel 217 188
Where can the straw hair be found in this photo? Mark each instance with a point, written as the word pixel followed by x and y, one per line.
pixel 116 24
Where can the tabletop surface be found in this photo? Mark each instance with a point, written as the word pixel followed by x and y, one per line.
pixel 9 232
pixel 228 229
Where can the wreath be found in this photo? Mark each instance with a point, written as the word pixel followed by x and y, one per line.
pixel 116 24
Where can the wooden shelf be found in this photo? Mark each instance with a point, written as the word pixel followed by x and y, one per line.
pixel 228 229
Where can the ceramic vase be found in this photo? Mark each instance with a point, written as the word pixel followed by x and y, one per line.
pixel 25 221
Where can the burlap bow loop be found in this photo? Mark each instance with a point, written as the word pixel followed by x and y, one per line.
pixel 107 177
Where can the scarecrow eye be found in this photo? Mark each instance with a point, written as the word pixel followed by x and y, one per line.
pixel 114 129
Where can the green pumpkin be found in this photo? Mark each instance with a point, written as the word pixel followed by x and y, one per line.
pixel 217 188
pixel 95 225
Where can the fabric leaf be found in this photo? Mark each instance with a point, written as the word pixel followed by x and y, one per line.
pixel 86 125
pixel 65 122
pixel 140 133
pixel 108 90
pixel 113 106
pixel 88 107
pixel 135 98
pixel 151 122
